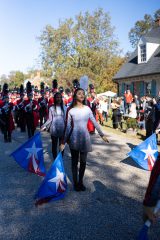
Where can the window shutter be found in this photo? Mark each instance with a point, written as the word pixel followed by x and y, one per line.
pixel 141 89
pixel 153 88
pixel 132 88
pixel 122 89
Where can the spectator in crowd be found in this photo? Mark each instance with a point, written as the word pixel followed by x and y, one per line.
pixel 133 110
pixel 149 118
pixel 144 103
pixel 137 102
pixel 99 111
pixel 157 115
pixel 122 108
pixel 104 107
pixel 132 116
pixel 116 115
pixel 128 100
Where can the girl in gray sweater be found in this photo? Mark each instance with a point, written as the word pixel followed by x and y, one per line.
pixel 56 122
pixel 77 136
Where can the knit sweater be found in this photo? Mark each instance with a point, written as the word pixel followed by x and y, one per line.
pixel 76 133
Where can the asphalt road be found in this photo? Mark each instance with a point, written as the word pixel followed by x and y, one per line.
pixel 110 209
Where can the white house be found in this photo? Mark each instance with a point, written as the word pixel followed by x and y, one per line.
pixel 141 73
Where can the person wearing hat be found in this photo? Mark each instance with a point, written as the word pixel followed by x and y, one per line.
pixel 31 112
pixel 61 90
pixel 76 84
pixel 6 117
pixel 20 110
pixel 68 97
pixel 43 106
pixel 54 90
pixel 92 104
pixel 13 99
pixel 36 93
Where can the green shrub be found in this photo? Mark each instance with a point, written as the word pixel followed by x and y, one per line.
pixel 131 123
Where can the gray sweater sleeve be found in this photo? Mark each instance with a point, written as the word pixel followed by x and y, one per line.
pixel 48 123
pixel 68 128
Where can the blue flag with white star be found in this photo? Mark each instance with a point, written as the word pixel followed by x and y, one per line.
pixel 30 156
pixel 146 153
pixel 54 185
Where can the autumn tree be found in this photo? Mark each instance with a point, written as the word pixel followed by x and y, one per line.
pixel 16 78
pixel 84 45
pixel 142 27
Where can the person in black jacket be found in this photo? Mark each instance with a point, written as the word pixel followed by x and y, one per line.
pixel 149 118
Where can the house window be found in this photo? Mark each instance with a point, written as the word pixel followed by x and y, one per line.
pixel 128 86
pixel 148 88
pixel 143 53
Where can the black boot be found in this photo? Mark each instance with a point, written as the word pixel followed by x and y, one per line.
pixel 82 187
pixel 77 187
pixel 9 139
pixel 5 139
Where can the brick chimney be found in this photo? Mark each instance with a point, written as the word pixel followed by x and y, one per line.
pixel 157 22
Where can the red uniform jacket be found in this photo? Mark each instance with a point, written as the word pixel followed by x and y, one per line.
pixel 51 102
pixel 35 108
pixel 153 190
pixel 11 126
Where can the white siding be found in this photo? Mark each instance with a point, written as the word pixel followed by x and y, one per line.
pixel 150 49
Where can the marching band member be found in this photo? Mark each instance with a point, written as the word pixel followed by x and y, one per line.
pixel 36 93
pixel 54 90
pixel 31 111
pixel 13 99
pixel 61 90
pixel 92 104
pixel 20 110
pixel 7 123
pixel 43 106
pixel 68 97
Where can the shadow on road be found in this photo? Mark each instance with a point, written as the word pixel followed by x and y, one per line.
pixel 109 209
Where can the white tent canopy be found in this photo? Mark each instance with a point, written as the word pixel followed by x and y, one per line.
pixel 107 94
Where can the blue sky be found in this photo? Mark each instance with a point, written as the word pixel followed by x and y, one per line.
pixel 21 21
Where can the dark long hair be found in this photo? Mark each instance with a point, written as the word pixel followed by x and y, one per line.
pixel 55 101
pixel 74 102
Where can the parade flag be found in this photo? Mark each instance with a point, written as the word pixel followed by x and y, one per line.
pixel 146 153
pixel 30 156
pixel 84 82
pixel 54 185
